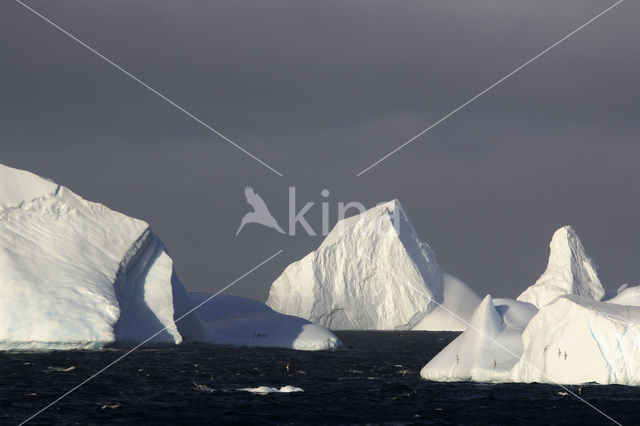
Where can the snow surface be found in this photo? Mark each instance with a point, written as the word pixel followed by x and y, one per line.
pixel 75 274
pixel 489 348
pixel 570 271
pixel 20 185
pixel 245 322
pixel 610 294
pixel 371 275
pixel 628 296
pixel 454 312
pixel 586 341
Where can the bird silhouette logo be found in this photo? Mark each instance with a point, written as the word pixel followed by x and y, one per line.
pixel 260 213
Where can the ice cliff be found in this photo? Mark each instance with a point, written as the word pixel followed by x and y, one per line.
pixel 576 340
pixel 75 274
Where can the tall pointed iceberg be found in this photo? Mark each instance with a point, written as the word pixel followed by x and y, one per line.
pixel 570 270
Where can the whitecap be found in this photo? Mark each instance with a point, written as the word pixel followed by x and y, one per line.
pixel 264 390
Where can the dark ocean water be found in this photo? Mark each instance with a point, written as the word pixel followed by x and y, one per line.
pixel 375 380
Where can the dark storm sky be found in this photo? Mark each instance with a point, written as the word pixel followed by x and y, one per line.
pixel 320 90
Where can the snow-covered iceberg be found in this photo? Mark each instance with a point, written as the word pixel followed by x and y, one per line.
pixel 576 340
pixel 247 322
pixel 75 274
pixel 573 338
pixel 570 270
pixel 489 348
pixel 372 272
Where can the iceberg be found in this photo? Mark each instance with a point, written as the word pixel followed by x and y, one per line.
pixel 454 312
pixel 558 331
pixel 570 270
pixel 625 295
pixel 75 274
pixel 610 294
pixel 572 340
pixel 372 272
pixel 241 321
pixel 573 337
pixel 575 340
pixel 490 346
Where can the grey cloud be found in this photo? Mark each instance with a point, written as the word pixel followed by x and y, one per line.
pixel 320 90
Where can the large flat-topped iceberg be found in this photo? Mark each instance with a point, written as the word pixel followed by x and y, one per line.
pixel 570 270
pixel 372 272
pixel 75 274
